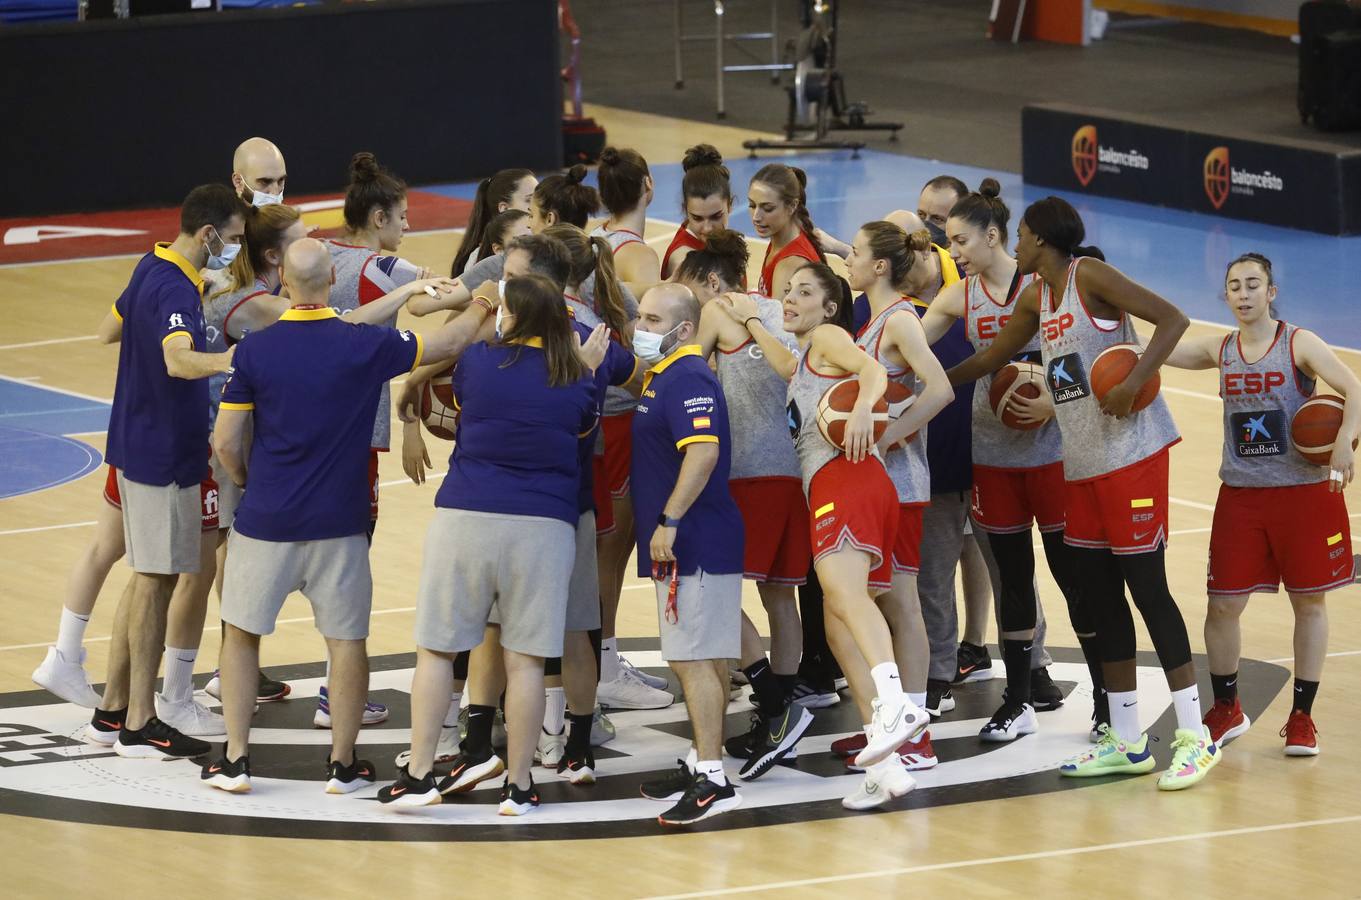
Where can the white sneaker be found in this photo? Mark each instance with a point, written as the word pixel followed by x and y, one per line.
pixel 1006 726
pixel 885 781
pixel 66 679
pixel 647 678
pixel 602 729
pixel 189 717
pixel 374 713
pixel 445 750
pixel 627 691
pixel 893 724
pixel 551 748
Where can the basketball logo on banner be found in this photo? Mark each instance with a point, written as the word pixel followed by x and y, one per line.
pixel 1085 154
pixel 1217 176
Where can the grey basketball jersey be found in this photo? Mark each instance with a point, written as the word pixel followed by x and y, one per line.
pixel 762 446
pixel 907 468
pixel 805 390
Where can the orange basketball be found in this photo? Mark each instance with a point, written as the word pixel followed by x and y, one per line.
pixel 1021 379
pixel 835 408
pixel 437 406
pixel 1314 428
pixel 1113 365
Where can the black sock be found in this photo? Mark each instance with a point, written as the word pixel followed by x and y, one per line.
pixel 1091 653
pixel 787 684
pixel 1225 686
pixel 766 687
pixel 1304 696
pixel 480 719
pixel 579 735
pixel 1016 657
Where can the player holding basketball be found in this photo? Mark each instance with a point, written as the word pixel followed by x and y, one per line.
pixel 778 200
pixel 1279 518
pixel 706 203
pixel 626 191
pixel 1115 466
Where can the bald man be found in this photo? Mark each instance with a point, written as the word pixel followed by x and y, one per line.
pixel 304 525
pixel 258 172
pixel 690 537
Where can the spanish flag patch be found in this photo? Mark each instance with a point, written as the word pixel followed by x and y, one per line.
pixel 824 510
pixel 1335 539
pixel 700 422
pixel 1143 503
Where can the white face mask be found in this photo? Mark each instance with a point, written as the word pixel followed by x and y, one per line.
pixel 500 310
pixel 260 198
pixel 648 346
pixel 224 257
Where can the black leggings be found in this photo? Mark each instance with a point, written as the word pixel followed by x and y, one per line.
pixel 817 665
pixel 1104 578
pixel 1015 557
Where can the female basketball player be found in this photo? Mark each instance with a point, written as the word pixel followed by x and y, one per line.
pixel 778 201
pixel 854 505
pixel 507 189
pixel 626 190
pixel 1017 475
pixel 1115 466
pixel 1279 518
pixel 706 203
pixel 501 230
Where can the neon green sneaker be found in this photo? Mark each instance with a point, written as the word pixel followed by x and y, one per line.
pixel 1193 755
pixel 1111 756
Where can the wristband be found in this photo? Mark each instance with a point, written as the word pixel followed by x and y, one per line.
pixel 484 303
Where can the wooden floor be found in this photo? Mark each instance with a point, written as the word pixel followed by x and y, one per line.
pixel 1261 825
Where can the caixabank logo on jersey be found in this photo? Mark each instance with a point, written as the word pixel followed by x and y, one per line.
pixel 46 771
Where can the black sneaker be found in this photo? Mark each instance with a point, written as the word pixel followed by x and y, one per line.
pixel 157 740
pixel 271 690
pixel 939 699
pixel 1012 720
pixel 578 768
pixel 770 740
pixel 516 801
pixel 105 725
pixel 702 799
pixel 1044 693
pixel 408 791
pixel 471 768
pixel 341 779
pixel 972 663
pixel 671 787
pixel 232 777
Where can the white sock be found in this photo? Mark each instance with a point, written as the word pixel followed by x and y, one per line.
pixel 887 685
pixel 1187 704
pixel 609 659
pixel 179 674
pixel 1125 714
pixel 554 709
pixel 455 704
pixel 712 769
pixel 70 634
pixel 918 699
pixel 692 758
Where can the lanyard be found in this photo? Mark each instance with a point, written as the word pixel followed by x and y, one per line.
pixel 664 571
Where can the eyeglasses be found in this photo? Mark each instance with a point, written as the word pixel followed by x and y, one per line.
pixel 664 571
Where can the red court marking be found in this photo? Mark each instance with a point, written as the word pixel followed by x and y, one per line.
pixel 27 240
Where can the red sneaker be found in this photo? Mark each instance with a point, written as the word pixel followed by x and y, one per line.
pixel 1226 721
pixel 920 754
pixel 849 746
pixel 1300 735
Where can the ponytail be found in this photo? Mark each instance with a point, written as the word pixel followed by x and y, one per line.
pixel 593 256
pixel 495 233
pixel 898 248
pixel 491 193
pixel 791 183
pixel 724 254
pixel 567 197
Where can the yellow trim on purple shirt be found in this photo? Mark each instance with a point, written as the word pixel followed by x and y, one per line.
pixel 116 314
pixel 662 364
pixel 240 406
pixel 420 351
pixel 697 439
pixel 174 334
pixel 163 251
pixel 293 314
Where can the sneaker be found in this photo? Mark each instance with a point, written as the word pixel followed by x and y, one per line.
pixel 189 717
pixel 972 663
pixel 578 769
pixel 892 724
pixel 104 726
pixel 813 696
pixel 1045 695
pixel 1301 735
pixel 1226 721
pixel 602 729
pixel 232 777
pixel 771 739
pixel 470 769
pixel 374 713
pixel 1193 756
pixel 884 781
pixel 445 750
pixel 516 801
pixel 498 730
pixel 408 791
pixel 915 756
pixel 839 683
pixel 850 746
pixel 1009 723
pixel 1111 756
pixel 939 699
pixel 66 678
pixel 268 691
pixel 1101 716
pixel 670 787
pixel 647 678
pixel 343 779
pixel 551 748
pixel 701 800
pixel 157 740
pixel 627 691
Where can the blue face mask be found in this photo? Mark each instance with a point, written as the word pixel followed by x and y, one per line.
pixel 223 258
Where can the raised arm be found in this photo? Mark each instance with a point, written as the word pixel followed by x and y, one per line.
pixel 944 312
pixel 1020 328
pixel 831 345
pixel 1317 359
pixel 743 310
pixel 909 337
pixel 1196 353
pixel 388 305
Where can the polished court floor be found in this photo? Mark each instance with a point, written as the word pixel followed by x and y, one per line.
pixel 998 822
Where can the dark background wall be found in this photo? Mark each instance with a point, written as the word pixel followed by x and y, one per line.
pixel 135 113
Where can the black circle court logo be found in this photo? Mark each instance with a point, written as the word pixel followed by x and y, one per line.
pixel 47 771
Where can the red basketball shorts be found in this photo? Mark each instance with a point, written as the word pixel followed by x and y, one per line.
pixel 1261 537
pixel 1124 512
pixel 1006 501
pixel 618 452
pixel 373 485
pixel 854 506
pixel 907 546
pixel 207 493
pixel 600 493
pixel 776 519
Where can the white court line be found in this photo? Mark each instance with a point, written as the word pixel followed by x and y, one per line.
pixel 1291 659
pixel 1168 389
pixel 48 387
pixel 46 528
pixel 1016 857
pixel 1208 507
pixel 65 340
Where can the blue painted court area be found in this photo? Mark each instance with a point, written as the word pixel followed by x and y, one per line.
pixel 35 453
pixel 1180 255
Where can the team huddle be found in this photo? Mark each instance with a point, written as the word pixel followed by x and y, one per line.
pixel 845 435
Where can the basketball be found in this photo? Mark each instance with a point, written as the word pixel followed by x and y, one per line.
pixel 900 399
pixel 1020 379
pixel 1314 428
pixel 437 406
pixel 1113 365
pixel 835 408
